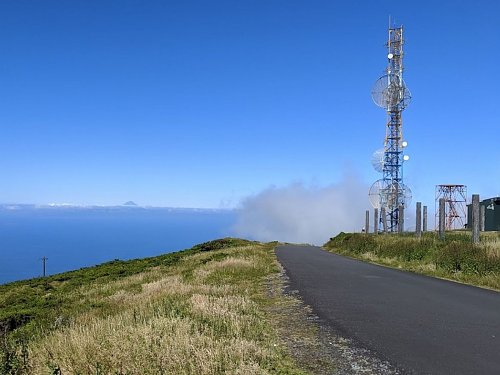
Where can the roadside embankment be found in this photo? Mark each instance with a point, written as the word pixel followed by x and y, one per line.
pixel 206 310
pixel 454 258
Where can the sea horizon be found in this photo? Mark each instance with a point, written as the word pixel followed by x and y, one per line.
pixel 77 236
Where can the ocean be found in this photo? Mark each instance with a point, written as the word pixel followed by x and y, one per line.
pixel 75 237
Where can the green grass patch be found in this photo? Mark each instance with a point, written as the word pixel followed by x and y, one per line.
pixel 199 311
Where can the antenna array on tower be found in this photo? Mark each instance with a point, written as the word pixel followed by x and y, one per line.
pixel 390 92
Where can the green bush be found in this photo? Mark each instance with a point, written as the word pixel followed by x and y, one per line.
pixel 356 243
pixel 464 257
pixel 222 243
pixel 405 248
pixel 13 355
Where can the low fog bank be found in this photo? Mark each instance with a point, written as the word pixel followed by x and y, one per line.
pixel 303 214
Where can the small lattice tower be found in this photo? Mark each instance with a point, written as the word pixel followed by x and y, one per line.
pixel 455 205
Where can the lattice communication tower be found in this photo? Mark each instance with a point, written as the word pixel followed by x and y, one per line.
pixel 391 93
pixel 455 206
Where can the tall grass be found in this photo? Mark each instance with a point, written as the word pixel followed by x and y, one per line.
pixel 455 257
pixel 491 242
pixel 201 315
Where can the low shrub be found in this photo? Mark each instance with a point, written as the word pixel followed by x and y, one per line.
pixel 466 258
pixel 222 243
pixel 405 249
pixel 355 243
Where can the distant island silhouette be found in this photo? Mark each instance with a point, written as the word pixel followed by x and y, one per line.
pixel 129 203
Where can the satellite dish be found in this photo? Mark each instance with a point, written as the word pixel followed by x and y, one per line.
pixel 374 194
pixel 390 92
pixel 378 160
pixel 389 194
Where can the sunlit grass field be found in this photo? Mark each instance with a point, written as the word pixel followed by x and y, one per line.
pixel 202 311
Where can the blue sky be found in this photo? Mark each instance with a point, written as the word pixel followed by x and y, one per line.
pixel 202 103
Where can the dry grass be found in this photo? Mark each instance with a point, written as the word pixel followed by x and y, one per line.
pixel 202 316
pixel 491 241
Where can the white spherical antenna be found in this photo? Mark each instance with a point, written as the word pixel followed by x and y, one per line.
pixel 406 157
pixel 404 144
pixel 390 92
pixel 390 56
pixel 378 160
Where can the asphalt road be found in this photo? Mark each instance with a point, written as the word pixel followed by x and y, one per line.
pixel 420 324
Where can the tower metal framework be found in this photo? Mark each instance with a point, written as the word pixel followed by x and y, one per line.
pixel 391 93
pixel 455 205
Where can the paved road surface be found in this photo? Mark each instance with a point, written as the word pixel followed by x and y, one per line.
pixel 420 324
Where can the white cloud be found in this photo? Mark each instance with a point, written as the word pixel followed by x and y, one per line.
pixel 304 214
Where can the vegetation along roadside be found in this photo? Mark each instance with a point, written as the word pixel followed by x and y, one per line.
pixel 454 258
pixel 211 309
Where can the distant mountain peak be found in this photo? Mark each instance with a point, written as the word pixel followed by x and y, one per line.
pixel 129 203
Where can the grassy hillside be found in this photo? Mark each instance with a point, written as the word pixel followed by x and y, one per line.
pixel 200 311
pixel 454 258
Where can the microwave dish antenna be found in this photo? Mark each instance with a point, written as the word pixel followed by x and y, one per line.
pixel 378 160
pixel 390 92
pixel 391 195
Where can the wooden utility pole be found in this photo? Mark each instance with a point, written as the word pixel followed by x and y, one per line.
pixel 44 261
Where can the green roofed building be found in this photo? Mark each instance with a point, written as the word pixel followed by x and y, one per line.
pixel 491 214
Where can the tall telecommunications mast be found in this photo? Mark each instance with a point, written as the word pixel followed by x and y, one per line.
pixel 390 92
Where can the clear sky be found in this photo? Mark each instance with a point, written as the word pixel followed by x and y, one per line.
pixel 201 103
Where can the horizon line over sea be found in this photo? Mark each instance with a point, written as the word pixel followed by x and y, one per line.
pixel 129 204
pixel 77 236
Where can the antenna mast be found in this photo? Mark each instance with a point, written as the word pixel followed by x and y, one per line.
pixel 391 93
